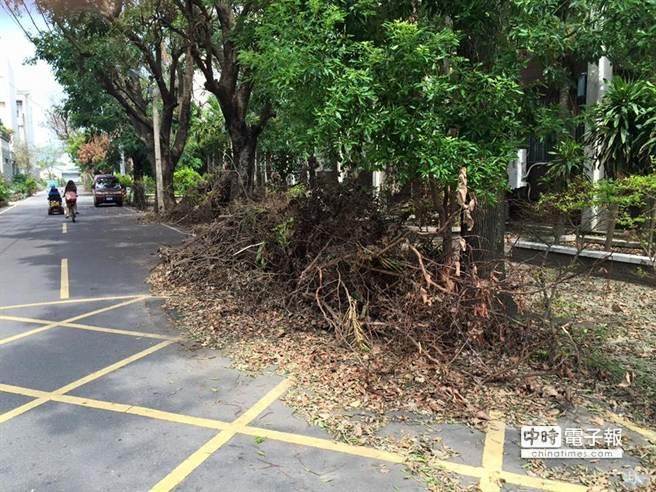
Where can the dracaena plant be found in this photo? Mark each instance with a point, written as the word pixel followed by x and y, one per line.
pixel 621 126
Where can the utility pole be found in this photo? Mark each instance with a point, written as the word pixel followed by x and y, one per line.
pixel 158 154
pixel 122 162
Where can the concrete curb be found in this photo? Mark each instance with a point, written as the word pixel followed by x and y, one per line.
pixel 586 253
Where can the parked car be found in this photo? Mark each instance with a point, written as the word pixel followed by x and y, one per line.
pixel 107 189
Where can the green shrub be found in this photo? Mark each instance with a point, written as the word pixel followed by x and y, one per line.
pixel 125 180
pixel 149 185
pixel 25 184
pixel 186 179
pixel 5 191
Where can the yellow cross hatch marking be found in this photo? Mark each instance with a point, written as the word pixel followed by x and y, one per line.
pixel 79 326
pixel 69 320
pixel 287 437
pixel 206 450
pixel 75 301
pixel 76 384
pixel 491 472
pixel 649 434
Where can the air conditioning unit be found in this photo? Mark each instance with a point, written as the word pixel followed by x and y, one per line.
pixel 517 170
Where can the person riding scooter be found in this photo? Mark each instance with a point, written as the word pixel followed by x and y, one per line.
pixel 54 201
pixel 53 195
pixel 70 195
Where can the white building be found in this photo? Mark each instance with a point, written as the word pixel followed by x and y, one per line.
pixel 24 121
pixel 15 116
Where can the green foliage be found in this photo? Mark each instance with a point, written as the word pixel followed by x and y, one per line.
pixel 568 163
pixel 186 179
pixel 297 191
pixel 405 101
pixel 284 232
pixel 622 125
pixel 149 184
pixel 24 184
pixel 634 196
pixel 125 180
pixel 208 141
pixel 5 190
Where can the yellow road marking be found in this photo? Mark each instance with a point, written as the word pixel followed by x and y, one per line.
pixel 63 289
pixel 73 301
pixel 287 437
pixel 112 367
pixel 69 320
pixel 22 409
pixel 76 384
pixel 25 334
pixel 326 444
pixel 649 434
pixel 493 454
pixel 541 483
pixel 101 329
pixel 64 228
pixel 183 470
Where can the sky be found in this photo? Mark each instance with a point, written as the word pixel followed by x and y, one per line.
pixel 38 79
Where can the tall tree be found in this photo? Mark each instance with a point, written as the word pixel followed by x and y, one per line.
pixel 115 43
pixel 218 32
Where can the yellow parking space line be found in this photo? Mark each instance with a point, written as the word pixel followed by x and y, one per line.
pixel 231 429
pixel 327 444
pixel 263 403
pixel 184 469
pixel 493 454
pixel 64 228
pixel 22 409
pixel 23 319
pixel 117 407
pixel 178 418
pixel 19 390
pixel 142 412
pixel 69 320
pixel 104 310
pixel 63 286
pixel 111 368
pixel 117 331
pixel 649 434
pixel 74 301
pixel 76 384
pixel 541 483
pixel 25 334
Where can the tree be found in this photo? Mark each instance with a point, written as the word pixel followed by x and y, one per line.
pixel 423 99
pixel 114 45
pixel 218 32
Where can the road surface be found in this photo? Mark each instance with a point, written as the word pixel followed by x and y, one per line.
pixel 100 391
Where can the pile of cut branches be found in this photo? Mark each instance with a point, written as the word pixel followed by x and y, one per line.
pixel 202 203
pixel 347 266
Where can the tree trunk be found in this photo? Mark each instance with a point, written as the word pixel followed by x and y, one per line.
pixel 243 154
pixel 138 192
pixel 168 169
pixel 486 239
pixel 610 226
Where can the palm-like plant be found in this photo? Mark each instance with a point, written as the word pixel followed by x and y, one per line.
pixel 622 126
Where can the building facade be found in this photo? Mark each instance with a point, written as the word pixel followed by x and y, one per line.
pixel 16 123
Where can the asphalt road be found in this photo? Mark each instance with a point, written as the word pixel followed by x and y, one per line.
pixel 98 392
